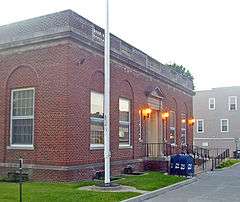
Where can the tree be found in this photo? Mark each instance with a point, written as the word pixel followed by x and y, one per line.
pixel 181 70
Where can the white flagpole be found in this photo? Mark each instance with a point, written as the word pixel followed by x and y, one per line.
pixel 107 153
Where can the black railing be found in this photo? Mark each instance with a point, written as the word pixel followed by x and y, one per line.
pixel 166 149
pixel 216 161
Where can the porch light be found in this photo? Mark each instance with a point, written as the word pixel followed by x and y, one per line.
pixel 184 120
pixel 191 121
pixel 146 112
pixel 165 115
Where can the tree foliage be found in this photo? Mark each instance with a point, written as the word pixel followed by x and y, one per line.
pixel 181 70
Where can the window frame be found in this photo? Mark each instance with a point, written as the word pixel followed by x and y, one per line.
pixel 221 121
pixel 96 146
pixel 184 128
pixel 125 122
pixel 202 125
pixel 229 103
pixel 22 118
pixel 209 103
pixel 172 112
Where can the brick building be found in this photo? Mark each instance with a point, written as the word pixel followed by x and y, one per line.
pixel 51 100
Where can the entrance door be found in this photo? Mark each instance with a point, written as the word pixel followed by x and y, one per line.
pixel 154 137
pixel 154 127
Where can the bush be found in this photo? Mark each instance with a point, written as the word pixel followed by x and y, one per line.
pixel 228 163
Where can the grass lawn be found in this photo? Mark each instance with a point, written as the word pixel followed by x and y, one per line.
pixel 150 181
pixel 228 163
pixel 69 192
pixel 56 192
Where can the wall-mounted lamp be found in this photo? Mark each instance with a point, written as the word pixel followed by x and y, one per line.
pixel 191 121
pixel 165 115
pixel 146 112
pixel 183 120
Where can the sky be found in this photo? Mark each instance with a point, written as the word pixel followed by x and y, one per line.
pixel 201 35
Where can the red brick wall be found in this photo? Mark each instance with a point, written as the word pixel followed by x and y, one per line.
pixel 63 75
pixel 46 70
pixel 125 82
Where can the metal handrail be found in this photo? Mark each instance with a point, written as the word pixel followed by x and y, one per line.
pixel 216 161
pixel 167 149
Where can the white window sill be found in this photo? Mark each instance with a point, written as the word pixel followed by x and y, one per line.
pixel 96 146
pixel 125 147
pixel 20 147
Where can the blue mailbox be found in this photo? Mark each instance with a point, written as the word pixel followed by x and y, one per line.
pixel 182 164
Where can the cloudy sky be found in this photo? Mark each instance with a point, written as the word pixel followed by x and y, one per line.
pixel 202 35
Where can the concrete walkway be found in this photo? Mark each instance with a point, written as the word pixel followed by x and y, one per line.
pixel 217 186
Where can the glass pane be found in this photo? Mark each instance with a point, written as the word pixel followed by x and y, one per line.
pixel 22 131
pixel 97 131
pixel 232 107
pixel 124 133
pixel 96 105
pixel 224 128
pixel 172 135
pixel 172 119
pixel 183 120
pixel 200 126
pixel 23 103
pixel 124 110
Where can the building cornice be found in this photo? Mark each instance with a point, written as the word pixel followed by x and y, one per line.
pixel 68 24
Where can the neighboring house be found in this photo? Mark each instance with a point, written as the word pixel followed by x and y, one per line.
pixel 217 114
pixel 51 100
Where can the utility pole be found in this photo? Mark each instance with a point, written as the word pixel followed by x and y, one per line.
pixel 107 153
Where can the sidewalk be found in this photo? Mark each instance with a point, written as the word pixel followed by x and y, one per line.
pixel 155 193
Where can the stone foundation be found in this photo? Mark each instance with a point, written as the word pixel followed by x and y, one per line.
pixel 156 165
pixel 69 173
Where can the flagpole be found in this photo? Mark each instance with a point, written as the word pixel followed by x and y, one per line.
pixel 107 153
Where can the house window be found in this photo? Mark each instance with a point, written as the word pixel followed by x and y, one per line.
pixel 22 117
pixel 96 119
pixel 124 122
pixel 200 126
pixel 211 103
pixel 205 144
pixel 183 128
pixel 232 102
pixel 172 125
pixel 224 125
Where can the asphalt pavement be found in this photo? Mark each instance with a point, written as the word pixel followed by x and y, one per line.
pixel 216 186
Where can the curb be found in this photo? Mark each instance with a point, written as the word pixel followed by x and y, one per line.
pixel 161 191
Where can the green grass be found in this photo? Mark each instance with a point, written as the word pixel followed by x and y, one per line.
pixel 57 192
pixel 150 181
pixel 228 163
pixel 69 192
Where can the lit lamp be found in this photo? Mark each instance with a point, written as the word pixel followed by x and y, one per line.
pixel 191 121
pixel 165 115
pixel 146 113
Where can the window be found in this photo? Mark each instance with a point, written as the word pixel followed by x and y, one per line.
pixel 172 125
pixel 205 144
pixel 224 125
pixel 22 117
pixel 183 128
pixel 124 122
pixel 232 102
pixel 211 104
pixel 97 120
pixel 200 126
